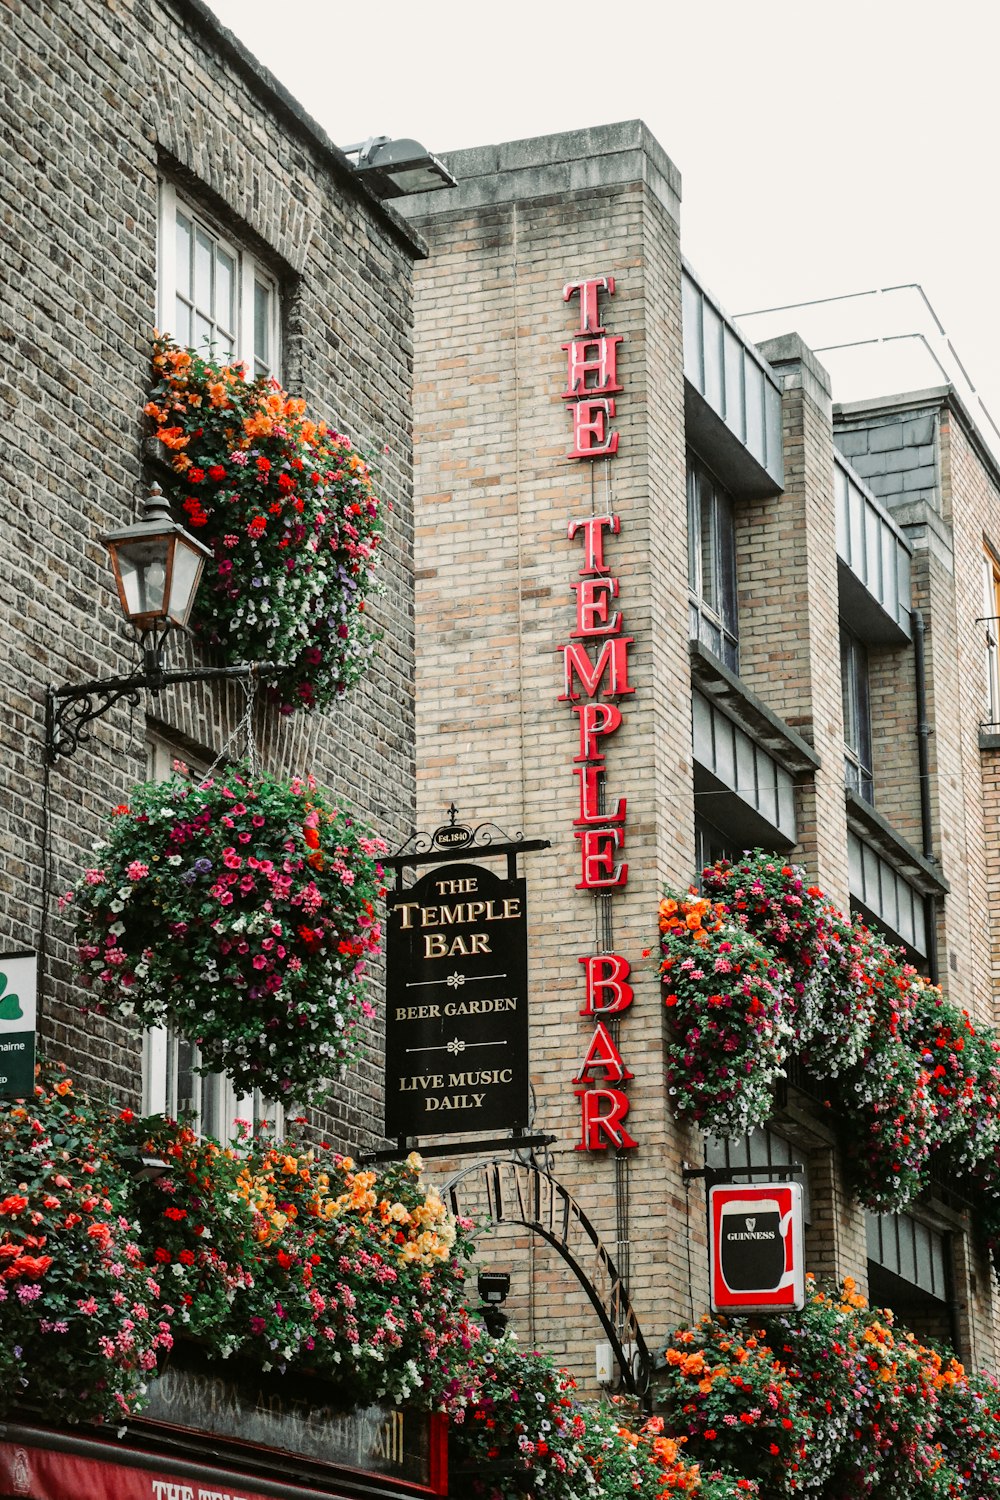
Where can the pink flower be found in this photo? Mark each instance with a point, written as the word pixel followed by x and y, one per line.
pixel 137 870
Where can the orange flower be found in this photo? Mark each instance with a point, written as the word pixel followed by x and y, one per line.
pixel 258 425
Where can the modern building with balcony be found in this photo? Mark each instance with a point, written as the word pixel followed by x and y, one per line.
pixel 803 597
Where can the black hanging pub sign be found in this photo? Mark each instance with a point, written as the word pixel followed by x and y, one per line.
pixel 456 1031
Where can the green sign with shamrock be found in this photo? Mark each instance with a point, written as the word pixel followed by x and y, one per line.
pixel 18 1010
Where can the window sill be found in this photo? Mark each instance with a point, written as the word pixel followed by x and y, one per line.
pixel 724 688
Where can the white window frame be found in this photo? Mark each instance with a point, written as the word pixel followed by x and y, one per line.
pixel 249 272
pixel 215 1102
pixel 991 623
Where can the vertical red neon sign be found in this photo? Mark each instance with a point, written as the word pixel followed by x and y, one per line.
pixel 595 677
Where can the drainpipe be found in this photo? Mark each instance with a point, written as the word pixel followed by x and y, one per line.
pixel 923 764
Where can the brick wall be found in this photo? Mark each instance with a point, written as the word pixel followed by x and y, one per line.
pixel 97 99
pixel 494 603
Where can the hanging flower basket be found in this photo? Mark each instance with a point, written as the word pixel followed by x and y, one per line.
pixel 288 508
pixel 728 1032
pixel 241 912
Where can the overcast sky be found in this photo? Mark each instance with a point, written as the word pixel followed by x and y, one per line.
pixel 824 148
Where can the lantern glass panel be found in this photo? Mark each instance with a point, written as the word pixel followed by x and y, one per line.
pixel 142 568
pixel 184 581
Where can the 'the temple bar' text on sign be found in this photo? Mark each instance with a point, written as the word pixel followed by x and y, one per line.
pixel 456 1004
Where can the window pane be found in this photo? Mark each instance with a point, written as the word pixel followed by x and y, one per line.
pixel 182 323
pixel 694 532
pixel 212 1096
pixel 203 259
pixel 692 306
pixel 725 750
pixel 202 333
pixel 873 1237
pixel 726 548
pixel 185 1079
pixel 758 1154
pixel 843 522
pixel 754 386
pixel 262 325
pixel 184 256
pixel 735 405
pixel 713 357
pixel 938 1269
pixel 857 524
pixel 225 290
pixel 873 552
pixel 709 548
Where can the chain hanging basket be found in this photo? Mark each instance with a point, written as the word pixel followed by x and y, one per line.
pixel 241 912
pixel 287 506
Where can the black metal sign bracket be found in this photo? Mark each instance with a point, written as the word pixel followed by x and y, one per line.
pixel 714 1175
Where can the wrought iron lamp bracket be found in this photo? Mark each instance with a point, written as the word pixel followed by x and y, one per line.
pixel 70 710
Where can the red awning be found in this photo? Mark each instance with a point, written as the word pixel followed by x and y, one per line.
pixel 40 1473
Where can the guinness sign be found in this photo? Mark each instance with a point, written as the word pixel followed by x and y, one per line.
pixel 755 1243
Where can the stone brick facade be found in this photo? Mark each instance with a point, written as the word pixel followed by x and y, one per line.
pixel 496 491
pixel 99 100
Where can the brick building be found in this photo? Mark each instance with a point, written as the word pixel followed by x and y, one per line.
pixel 157 175
pixel 134 125
pixel 783 600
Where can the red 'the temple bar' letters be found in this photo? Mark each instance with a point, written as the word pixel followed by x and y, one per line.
pixel 603 1129
pixel 588 299
pixel 608 990
pixel 592 373
pixel 591 385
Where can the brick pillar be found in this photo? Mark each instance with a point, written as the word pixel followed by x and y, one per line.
pixel 790 633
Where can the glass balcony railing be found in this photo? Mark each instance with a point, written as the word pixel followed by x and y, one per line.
pixel 875 561
pixel 730 383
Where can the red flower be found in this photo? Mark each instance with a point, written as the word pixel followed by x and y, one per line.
pixel 195 476
pixel 215 473
pixel 175 1213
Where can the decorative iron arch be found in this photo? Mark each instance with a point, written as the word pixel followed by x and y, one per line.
pixel 504 1191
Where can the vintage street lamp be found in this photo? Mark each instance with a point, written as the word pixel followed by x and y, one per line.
pixel 393 169
pixel 157 567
